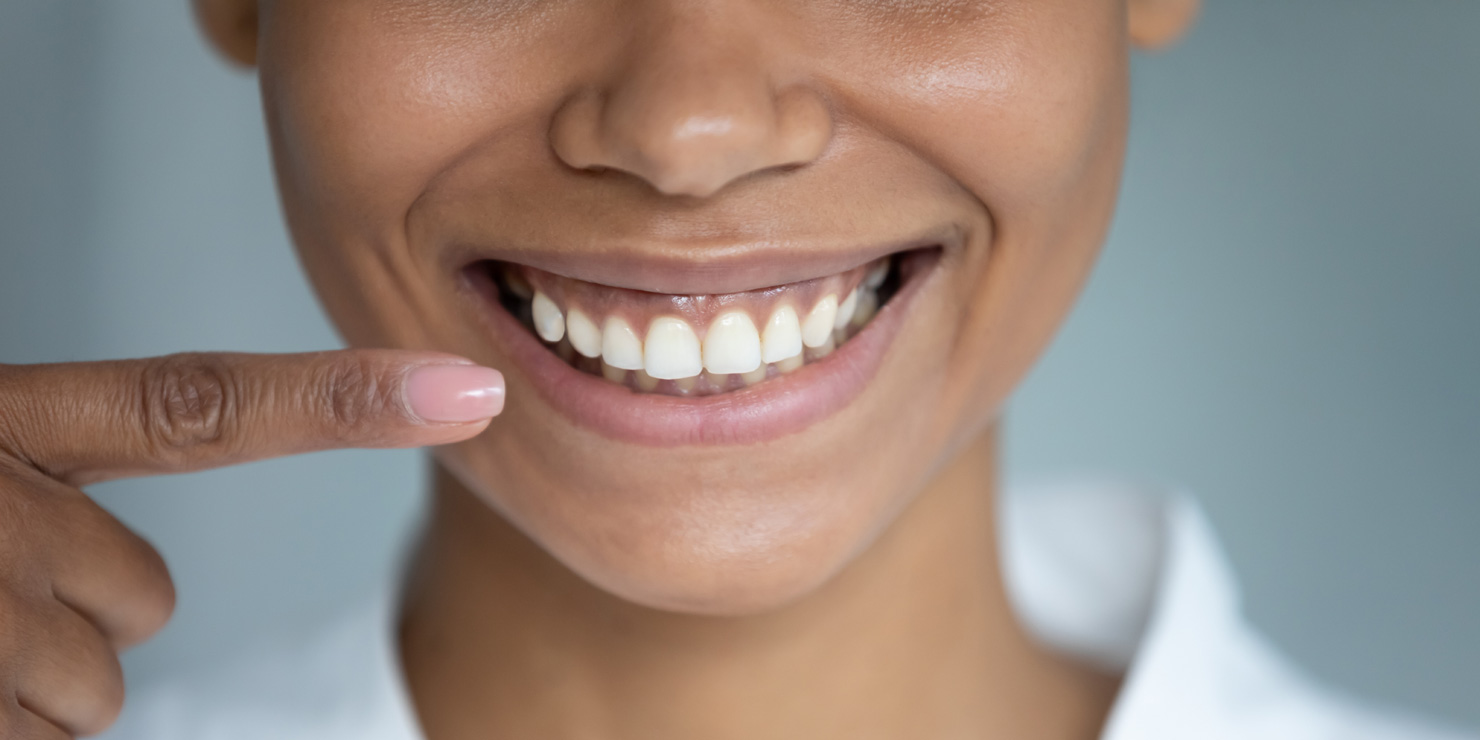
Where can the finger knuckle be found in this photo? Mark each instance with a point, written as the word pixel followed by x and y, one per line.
pixel 104 550
pixel 155 596
pixel 189 401
pixel 83 678
pixel 147 591
pixel 105 696
pixel 78 671
pixel 353 393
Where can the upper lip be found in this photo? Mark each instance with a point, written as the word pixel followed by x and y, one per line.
pixel 696 268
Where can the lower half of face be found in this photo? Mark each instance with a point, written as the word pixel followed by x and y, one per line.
pixel 752 273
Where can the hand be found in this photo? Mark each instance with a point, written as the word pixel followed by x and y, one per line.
pixel 76 586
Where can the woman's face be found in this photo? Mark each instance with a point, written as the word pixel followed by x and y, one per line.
pixel 684 187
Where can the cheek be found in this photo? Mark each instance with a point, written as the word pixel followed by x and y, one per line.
pixel 693 535
pixel 367 104
pixel 365 107
pixel 1023 110
pixel 1027 113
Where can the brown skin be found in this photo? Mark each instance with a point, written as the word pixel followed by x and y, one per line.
pixel 560 587
pixel 76 586
pixel 779 590
pixel 402 130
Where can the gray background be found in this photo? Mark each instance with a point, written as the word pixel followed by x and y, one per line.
pixel 1287 320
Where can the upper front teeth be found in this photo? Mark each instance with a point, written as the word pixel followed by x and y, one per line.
pixel 671 350
pixel 732 345
pixel 783 336
pixel 620 346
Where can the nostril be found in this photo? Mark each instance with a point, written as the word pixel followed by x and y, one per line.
pixel 575 133
pixel 691 134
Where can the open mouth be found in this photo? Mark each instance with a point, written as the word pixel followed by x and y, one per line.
pixel 697 345
pixel 698 369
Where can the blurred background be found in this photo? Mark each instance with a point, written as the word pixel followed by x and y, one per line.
pixel 1286 321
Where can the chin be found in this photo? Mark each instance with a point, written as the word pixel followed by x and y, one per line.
pixel 717 568
pixel 717 532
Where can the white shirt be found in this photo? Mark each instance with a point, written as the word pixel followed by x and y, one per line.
pixel 1131 581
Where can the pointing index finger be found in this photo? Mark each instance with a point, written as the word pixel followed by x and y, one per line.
pixel 86 422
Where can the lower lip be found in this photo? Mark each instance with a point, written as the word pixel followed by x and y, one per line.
pixel 765 411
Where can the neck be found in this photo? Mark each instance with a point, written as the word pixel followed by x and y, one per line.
pixel 915 639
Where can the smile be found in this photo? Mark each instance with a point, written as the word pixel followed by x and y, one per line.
pixel 694 345
pixel 666 368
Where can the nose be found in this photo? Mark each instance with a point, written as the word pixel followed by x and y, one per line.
pixel 693 109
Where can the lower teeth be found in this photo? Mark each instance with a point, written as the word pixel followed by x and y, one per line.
pixel 873 294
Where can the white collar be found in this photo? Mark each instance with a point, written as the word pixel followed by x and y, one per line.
pixel 1134 581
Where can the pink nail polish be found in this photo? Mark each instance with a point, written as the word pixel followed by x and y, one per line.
pixel 454 394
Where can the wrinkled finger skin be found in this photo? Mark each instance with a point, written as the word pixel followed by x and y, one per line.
pixel 76 585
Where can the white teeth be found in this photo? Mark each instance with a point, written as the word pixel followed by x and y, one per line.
pixel 671 350
pixel 783 336
pixel 818 327
pixel 548 322
pixel 584 335
pixel 845 311
pixel 732 344
pixel 825 349
pixel 620 346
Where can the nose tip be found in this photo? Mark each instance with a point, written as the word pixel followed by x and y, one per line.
pixel 691 134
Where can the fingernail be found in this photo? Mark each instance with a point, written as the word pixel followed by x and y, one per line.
pixel 454 394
